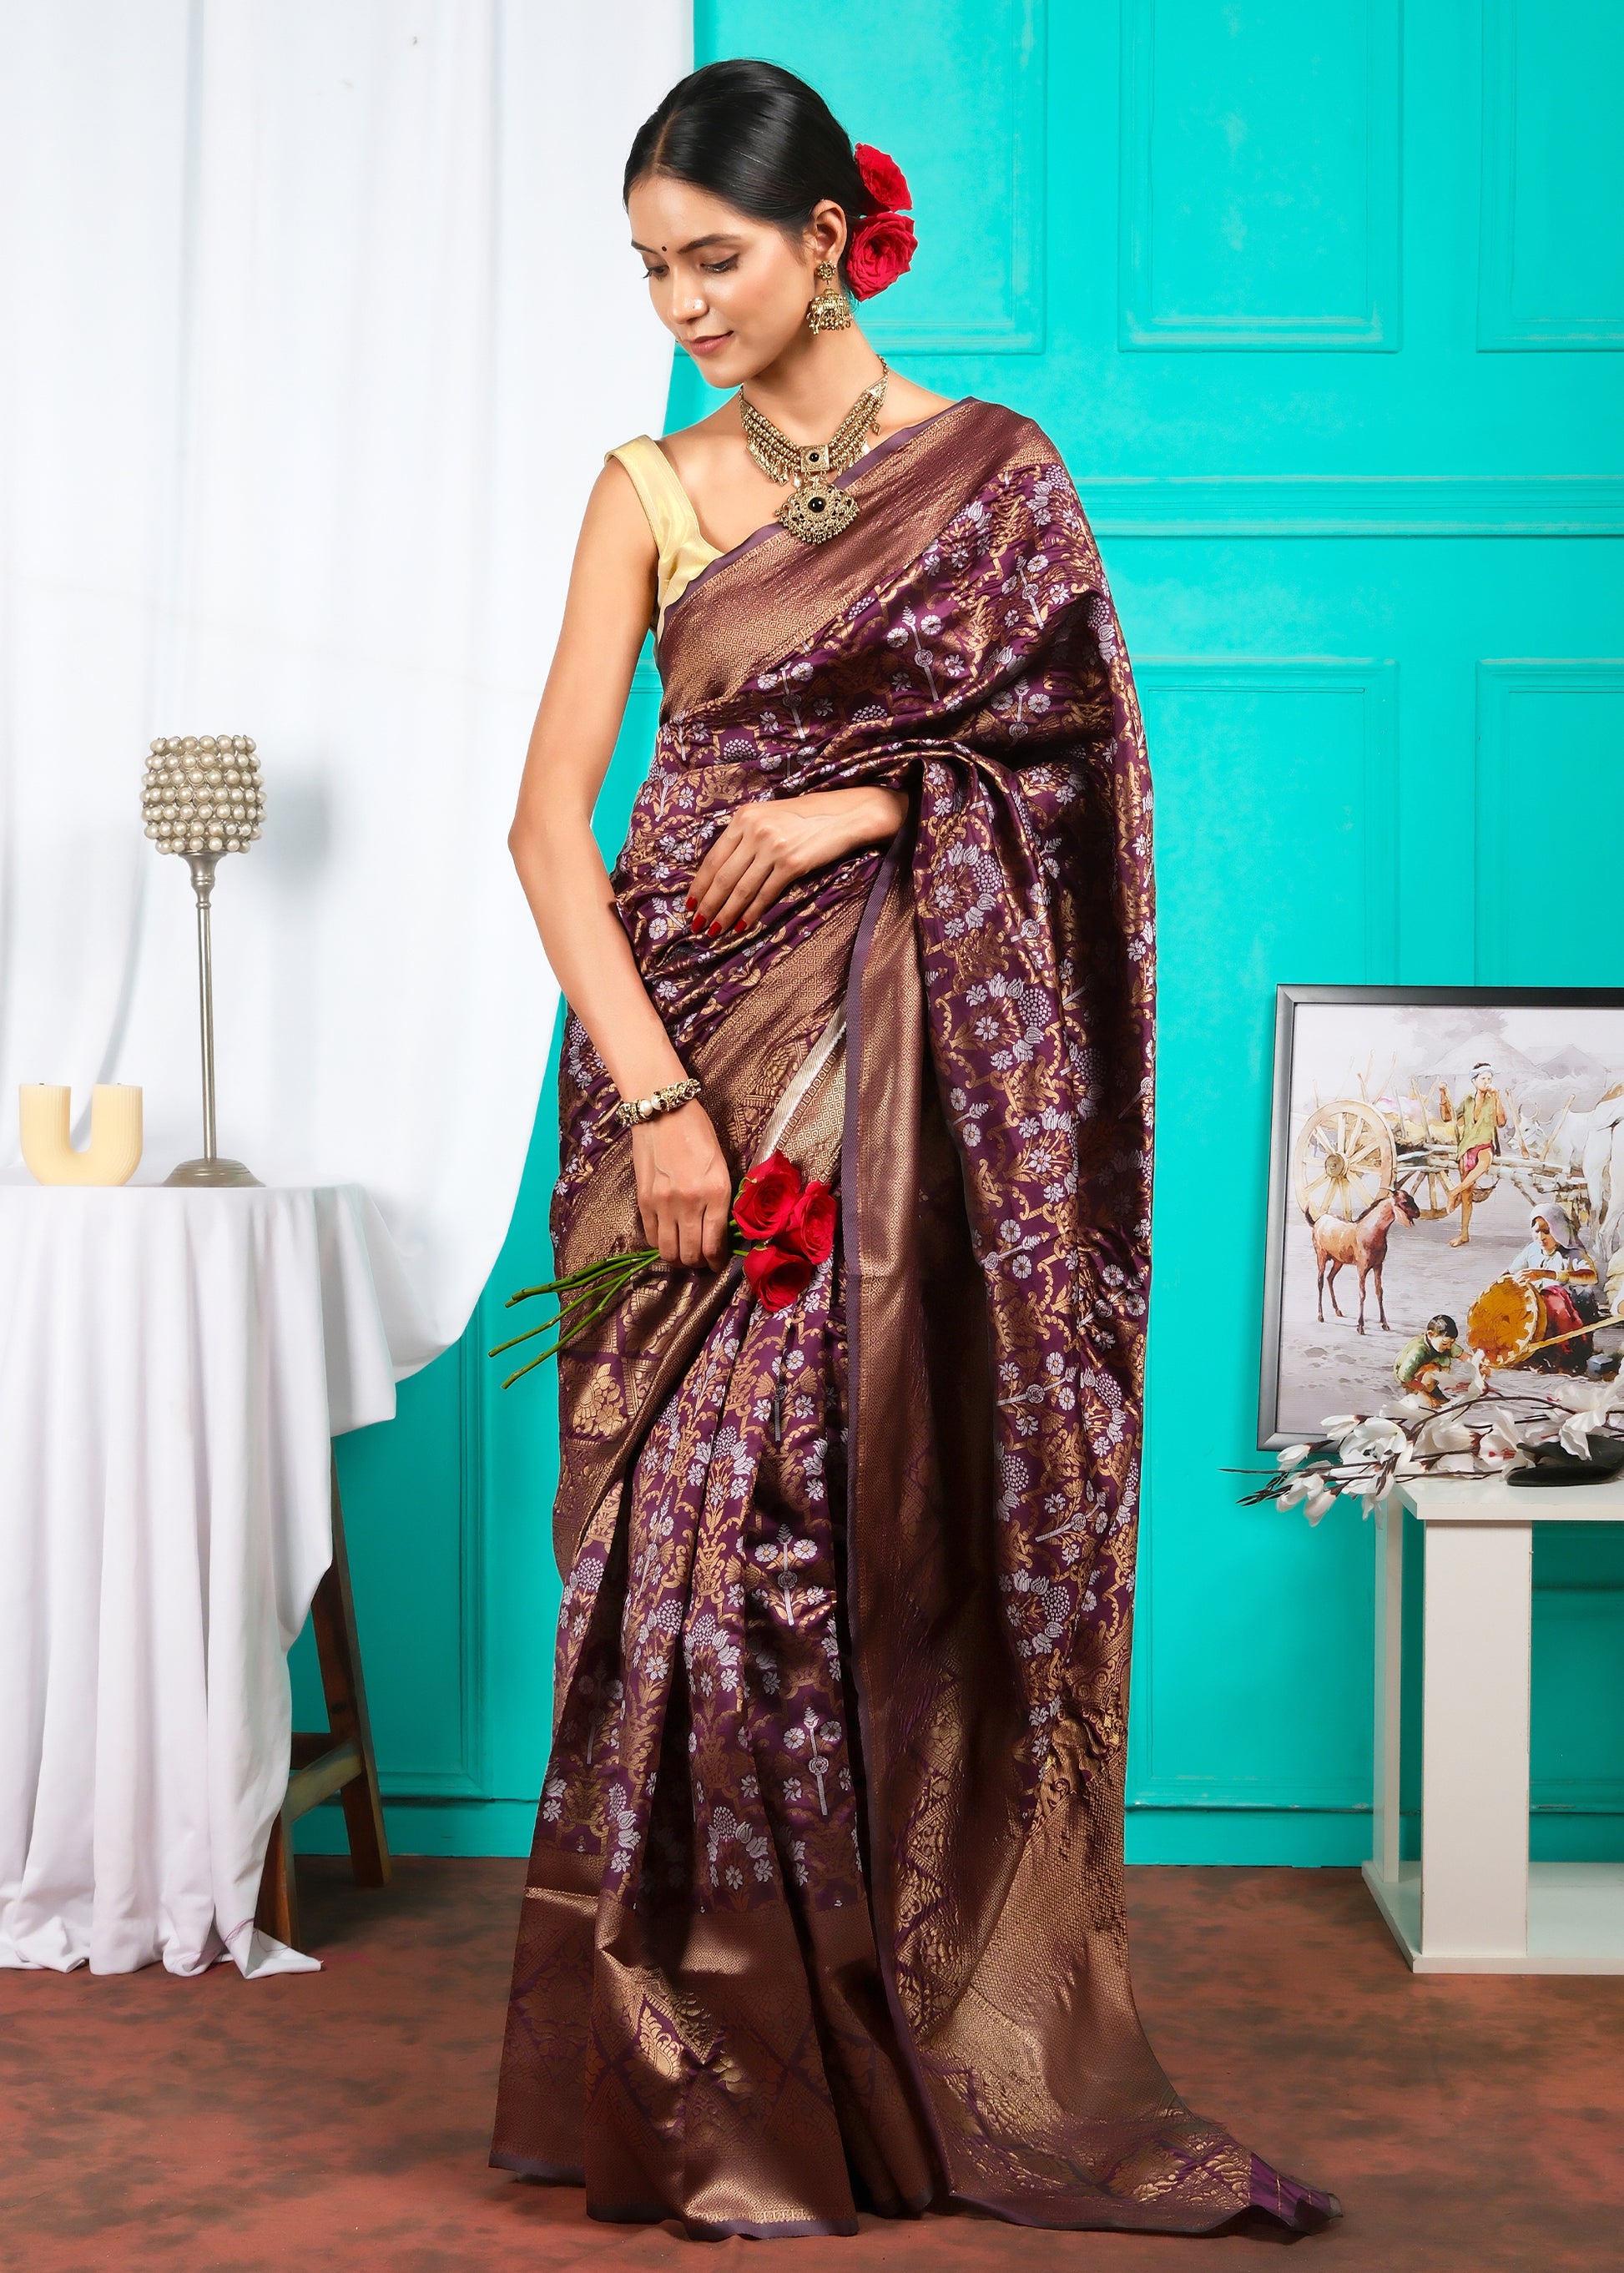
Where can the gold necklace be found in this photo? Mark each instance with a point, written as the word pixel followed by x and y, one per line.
pixel 814 511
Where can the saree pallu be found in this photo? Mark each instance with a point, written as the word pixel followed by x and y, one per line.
pixel 825 1907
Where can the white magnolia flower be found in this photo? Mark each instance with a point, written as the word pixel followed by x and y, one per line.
pixel 1595 1399
pixel 1318 1501
pixel 1445 1434
pixel 1372 1489
pixel 1541 1429
pixel 1575 1433
pixel 1337 1424
pixel 1372 1440
pixel 1289 1455
pixel 1497 1446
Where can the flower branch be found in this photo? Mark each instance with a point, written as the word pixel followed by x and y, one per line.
pixel 1478 1432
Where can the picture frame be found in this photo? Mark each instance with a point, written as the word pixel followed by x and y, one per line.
pixel 1375 1094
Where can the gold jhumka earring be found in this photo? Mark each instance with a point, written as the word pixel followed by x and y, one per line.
pixel 829 310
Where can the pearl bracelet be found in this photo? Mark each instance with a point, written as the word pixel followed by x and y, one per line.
pixel 631 1110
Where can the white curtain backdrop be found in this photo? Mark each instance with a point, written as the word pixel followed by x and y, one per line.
pixel 316 318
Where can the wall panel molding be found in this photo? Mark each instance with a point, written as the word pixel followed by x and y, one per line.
pixel 1375 681
pixel 1505 319
pixel 1515 759
pixel 1147 315
pixel 1341 1795
pixel 1017 41
pixel 1354 504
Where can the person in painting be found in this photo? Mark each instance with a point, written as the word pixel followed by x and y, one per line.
pixel 1479 1117
pixel 1423 1366
pixel 824 1909
pixel 1558 1267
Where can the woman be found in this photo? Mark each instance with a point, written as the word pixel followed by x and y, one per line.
pixel 825 1903
pixel 1558 1267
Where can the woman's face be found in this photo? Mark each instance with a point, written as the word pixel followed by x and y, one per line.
pixel 1547 1237
pixel 734 290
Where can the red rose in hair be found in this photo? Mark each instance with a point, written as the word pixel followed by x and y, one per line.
pixel 777 1275
pixel 882 177
pixel 882 247
pixel 767 1198
pixel 810 1230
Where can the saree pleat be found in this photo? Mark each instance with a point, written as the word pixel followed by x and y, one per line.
pixel 825 1907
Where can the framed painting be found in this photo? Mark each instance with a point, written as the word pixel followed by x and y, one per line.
pixel 1447 1175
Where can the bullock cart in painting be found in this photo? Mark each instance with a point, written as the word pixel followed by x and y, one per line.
pixel 1351 1152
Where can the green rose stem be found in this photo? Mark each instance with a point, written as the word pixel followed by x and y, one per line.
pixel 587 1272
pixel 593 1289
pixel 590 1294
pixel 562 1342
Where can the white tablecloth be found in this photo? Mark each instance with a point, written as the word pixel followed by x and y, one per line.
pixel 172 1366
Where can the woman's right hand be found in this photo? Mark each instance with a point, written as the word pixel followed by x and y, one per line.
pixel 684 1191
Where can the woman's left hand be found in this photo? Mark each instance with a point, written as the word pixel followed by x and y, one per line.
pixel 768 844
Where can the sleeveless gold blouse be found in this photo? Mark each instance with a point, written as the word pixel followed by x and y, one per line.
pixel 683 551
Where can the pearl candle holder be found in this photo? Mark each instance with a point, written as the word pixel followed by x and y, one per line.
pixel 202 798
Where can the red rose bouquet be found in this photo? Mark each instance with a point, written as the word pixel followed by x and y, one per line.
pixel 790 1223
pixel 787 1223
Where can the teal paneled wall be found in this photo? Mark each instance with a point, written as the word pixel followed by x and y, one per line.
pixel 1322 308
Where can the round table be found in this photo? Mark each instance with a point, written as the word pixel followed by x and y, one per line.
pixel 173 1365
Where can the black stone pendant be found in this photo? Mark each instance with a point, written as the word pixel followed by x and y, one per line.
pixel 815 513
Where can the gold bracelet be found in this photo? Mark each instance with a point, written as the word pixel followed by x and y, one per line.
pixel 631 1110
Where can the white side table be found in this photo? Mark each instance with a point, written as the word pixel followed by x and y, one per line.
pixel 174 1364
pixel 1475 1903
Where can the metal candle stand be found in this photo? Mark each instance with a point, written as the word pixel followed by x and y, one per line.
pixel 203 799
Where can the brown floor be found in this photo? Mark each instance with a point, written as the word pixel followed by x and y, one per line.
pixel 339 2120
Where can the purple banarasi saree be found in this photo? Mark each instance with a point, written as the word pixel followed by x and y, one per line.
pixel 825 1906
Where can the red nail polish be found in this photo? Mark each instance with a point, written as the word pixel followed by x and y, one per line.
pixel 740 925
pixel 713 927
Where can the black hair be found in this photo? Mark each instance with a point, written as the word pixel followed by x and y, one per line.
pixel 1442 1324
pixel 757 137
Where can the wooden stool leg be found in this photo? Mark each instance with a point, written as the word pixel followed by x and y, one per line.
pixel 340 1758
pixel 278 1912
pixel 339 1650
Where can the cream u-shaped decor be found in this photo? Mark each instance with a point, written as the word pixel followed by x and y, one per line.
pixel 114 1153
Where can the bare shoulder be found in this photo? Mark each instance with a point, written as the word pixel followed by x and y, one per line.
pixel 707 446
